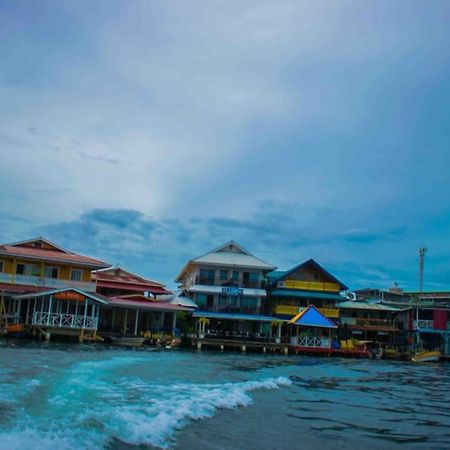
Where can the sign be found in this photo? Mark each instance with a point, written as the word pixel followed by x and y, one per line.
pixel 232 291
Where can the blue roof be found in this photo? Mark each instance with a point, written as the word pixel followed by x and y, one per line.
pixel 312 317
pixel 233 316
pixel 307 294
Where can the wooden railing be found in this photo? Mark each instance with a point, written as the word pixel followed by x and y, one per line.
pixel 312 342
pixel 311 285
pixel 52 283
pixel 57 320
pixel 290 310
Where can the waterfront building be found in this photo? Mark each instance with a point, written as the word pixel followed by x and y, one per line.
pixel 134 305
pixel 39 265
pixel 227 285
pixel 428 320
pixel 371 320
pixel 292 291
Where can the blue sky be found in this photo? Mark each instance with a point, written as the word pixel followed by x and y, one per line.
pixel 146 133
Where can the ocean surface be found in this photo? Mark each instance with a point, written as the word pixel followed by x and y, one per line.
pixel 59 396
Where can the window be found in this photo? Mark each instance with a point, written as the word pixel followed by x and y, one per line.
pixel 201 300
pixel 76 274
pixel 223 275
pixel 27 269
pixel 254 276
pixel 207 276
pixel 51 272
pixel 2 266
pixel 235 276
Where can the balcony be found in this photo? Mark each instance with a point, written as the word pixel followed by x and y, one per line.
pixel 290 310
pixel 310 285
pixel 43 282
pixel 56 320
pixel 218 282
pixel 362 322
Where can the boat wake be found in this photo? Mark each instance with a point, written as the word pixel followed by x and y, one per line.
pixel 86 410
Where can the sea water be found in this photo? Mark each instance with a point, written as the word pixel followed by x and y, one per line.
pixel 98 397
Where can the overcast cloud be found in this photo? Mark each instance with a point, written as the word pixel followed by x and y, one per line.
pixel 145 133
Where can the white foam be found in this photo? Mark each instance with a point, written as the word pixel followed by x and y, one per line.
pixel 156 422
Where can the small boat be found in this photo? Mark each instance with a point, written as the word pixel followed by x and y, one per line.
pixel 132 341
pixel 432 356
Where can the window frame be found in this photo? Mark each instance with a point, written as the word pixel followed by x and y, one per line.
pixel 80 271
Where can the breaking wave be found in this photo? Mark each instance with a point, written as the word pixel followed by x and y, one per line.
pixel 83 409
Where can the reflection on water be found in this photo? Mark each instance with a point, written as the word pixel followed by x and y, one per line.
pixel 82 396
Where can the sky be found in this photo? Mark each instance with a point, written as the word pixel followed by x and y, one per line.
pixel 146 133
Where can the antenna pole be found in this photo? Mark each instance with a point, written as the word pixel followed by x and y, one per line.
pixel 422 251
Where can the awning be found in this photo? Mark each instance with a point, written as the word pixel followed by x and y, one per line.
pixel 312 317
pixel 306 294
pixel 232 316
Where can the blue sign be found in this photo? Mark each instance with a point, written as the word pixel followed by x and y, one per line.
pixel 232 291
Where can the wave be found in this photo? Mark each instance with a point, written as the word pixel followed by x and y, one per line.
pixel 145 414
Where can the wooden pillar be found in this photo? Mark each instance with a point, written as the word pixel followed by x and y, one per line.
pixel 28 311
pixel 113 316
pixel 136 322
pixel 199 345
pixel 174 323
pixel 49 309
pixel 84 318
pixel 125 321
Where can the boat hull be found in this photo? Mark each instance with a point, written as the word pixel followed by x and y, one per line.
pixel 129 342
pixel 427 356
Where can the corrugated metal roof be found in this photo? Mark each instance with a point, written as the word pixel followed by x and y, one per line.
pixel 366 306
pixel 306 294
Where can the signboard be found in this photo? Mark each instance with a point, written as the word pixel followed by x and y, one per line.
pixel 232 291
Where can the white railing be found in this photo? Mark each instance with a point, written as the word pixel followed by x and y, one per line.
pixel 314 342
pixel 424 324
pixel 54 283
pixel 57 320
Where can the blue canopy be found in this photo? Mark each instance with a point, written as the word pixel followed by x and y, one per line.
pixel 312 317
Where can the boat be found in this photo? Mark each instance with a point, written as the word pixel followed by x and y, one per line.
pixel 427 356
pixel 132 341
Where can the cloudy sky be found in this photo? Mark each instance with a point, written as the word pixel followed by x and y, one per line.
pixel 147 132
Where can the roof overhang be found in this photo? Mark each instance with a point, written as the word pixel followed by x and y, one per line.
pixel 89 295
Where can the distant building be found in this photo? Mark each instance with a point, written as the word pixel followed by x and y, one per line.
pixel 227 286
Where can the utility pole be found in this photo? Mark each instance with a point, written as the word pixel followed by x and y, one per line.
pixel 422 251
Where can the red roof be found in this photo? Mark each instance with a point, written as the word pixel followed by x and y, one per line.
pixel 141 302
pixel 50 255
pixel 19 288
pixel 118 278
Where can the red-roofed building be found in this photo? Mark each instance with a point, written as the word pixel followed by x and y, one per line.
pixel 38 264
pixel 119 282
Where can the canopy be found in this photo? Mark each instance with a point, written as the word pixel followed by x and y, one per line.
pixel 312 317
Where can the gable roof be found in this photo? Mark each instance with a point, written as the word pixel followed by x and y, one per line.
pixel 118 278
pixel 275 278
pixel 93 296
pixel 55 253
pixel 229 254
pixel 312 317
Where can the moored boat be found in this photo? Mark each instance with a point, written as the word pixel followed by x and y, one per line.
pixel 132 341
pixel 427 356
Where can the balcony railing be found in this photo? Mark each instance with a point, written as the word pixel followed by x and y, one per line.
pixel 367 322
pixel 290 310
pixel 310 285
pixel 219 282
pixel 311 342
pixel 57 320
pixel 51 283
